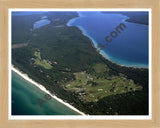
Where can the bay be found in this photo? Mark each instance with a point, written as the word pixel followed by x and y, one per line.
pixel 129 48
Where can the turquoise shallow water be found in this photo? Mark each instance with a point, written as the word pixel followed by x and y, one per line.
pixel 24 100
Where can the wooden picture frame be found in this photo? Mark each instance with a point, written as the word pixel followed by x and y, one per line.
pixel 4 61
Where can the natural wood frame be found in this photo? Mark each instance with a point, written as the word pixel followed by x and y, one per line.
pixel 4 8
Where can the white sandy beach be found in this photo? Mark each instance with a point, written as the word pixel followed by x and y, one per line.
pixel 41 87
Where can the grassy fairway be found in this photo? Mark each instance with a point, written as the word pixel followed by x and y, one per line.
pixel 100 68
pixel 89 88
pixel 38 61
pixel 37 54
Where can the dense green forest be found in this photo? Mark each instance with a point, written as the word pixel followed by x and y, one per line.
pixel 67 51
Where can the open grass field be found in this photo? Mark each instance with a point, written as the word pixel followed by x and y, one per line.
pixel 100 68
pixel 91 89
pixel 37 54
pixel 44 63
pixel 19 45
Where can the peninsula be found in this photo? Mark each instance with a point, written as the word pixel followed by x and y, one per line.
pixel 66 63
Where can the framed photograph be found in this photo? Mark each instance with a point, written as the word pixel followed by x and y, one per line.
pixel 79 64
pixel 82 62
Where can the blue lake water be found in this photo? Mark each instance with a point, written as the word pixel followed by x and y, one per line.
pixel 129 48
pixel 41 23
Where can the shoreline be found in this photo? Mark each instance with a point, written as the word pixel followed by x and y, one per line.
pixel 105 56
pixel 42 88
pixel 101 52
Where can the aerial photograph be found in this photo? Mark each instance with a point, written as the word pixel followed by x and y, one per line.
pixel 66 62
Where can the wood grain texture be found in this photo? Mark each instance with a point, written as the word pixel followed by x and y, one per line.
pixel 6 4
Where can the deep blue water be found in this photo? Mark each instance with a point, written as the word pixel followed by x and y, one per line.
pixel 129 48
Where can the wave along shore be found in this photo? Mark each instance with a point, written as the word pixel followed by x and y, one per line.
pixel 41 87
